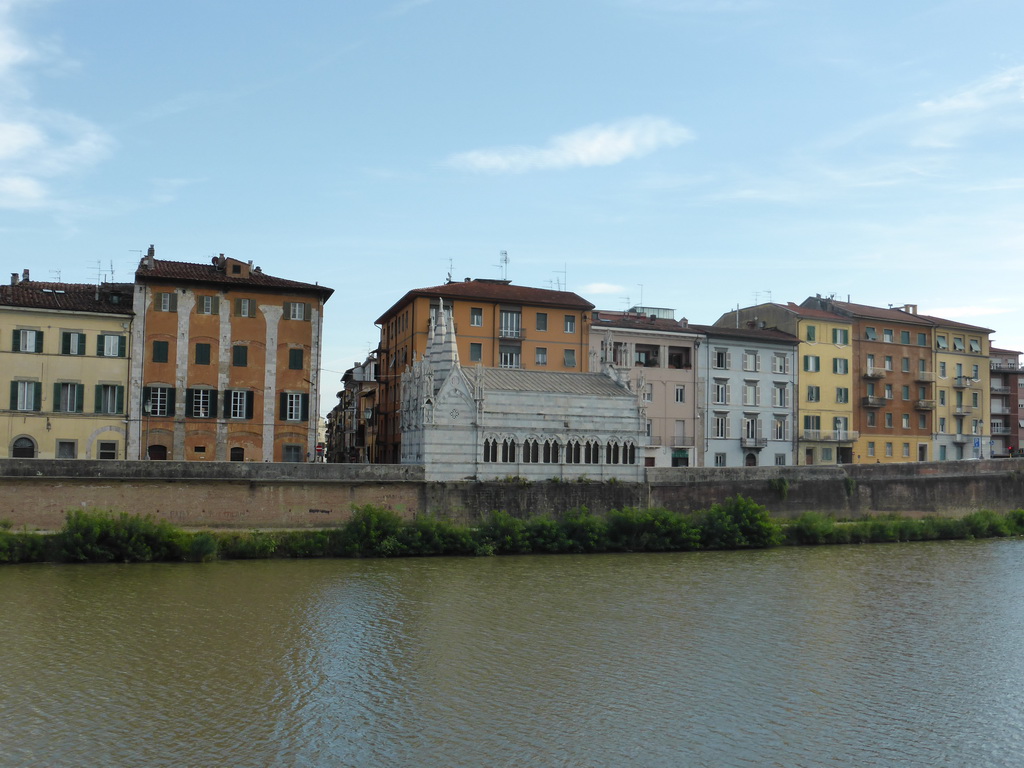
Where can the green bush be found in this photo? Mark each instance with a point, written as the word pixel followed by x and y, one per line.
pixel 737 523
pixel 650 530
pixel 246 545
pixel 547 536
pixel 371 532
pixel 202 548
pixel 584 532
pixel 428 535
pixel 101 537
pixel 811 528
pixel 985 524
pixel 506 534
pixel 23 547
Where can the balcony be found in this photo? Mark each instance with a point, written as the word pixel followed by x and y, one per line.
pixel 999 390
pixel 753 442
pixel 963 410
pixel 925 405
pixel 924 376
pixel 1001 429
pixel 962 382
pixel 870 401
pixel 511 333
pixel 1000 410
pixel 871 372
pixel 830 435
pixel 961 439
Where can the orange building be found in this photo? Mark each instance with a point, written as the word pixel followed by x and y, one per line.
pixel 498 325
pixel 226 363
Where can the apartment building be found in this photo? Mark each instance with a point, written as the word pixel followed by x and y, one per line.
pixel 658 355
pixel 498 324
pixel 823 376
pixel 747 377
pixel 226 363
pixel 1006 387
pixel 64 350
pixel 962 391
pixel 352 423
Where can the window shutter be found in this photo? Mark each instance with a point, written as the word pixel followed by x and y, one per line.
pixel 122 346
pixel 305 414
pixel 728 360
pixel 288 310
pixel 39 341
pixel 172 305
pixel 215 306
pixel 282 406
pixel 98 400
pixel 250 401
pixel 65 343
pixel 188 402
pixel 79 398
pixel 307 312
pixel 119 399
pixel 147 393
pixel 238 308
pixel 14 394
pixel 56 397
pixel 99 345
pixel 37 404
pixel 170 401
pixel 16 342
pixel 728 393
pixel 213 404
pixel 228 397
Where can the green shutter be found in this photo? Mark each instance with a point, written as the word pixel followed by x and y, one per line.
pixel 119 399
pixel 215 306
pixel 14 395
pixel 99 345
pixel 122 346
pixel 98 403
pixel 16 342
pixel 188 402
pixel 227 403
pixel 307 312
pixel 170 401
pixel 250 398
pixel 79 398
pixel 282 406
pixel 65 343
pixel 305 407
pixel 56 398
pixel 213 404
pixel 39 341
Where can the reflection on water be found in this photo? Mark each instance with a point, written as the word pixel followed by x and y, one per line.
pixel 884 655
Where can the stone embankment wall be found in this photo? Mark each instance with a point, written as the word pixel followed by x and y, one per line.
pixel 36 493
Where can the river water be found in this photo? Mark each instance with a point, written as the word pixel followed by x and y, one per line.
pixel 879 655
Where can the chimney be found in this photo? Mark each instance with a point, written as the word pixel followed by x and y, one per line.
pixel 24 275
pixel 685 323
pixel 14 278
pixel 150 261
pixel 911 308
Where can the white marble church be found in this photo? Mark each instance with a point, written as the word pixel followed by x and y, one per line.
pixel 491 423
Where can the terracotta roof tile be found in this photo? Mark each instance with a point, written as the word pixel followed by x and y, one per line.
pixel 752 334
pixel 210 274
pixel 113 298
pixel 606 319
pixel 493 290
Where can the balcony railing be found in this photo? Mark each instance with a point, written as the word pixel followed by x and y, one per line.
pixel 871 372
pixel 831 435
pixel 925 405
pixel 962 410
pixel 511 333
pixel 999 429
pixel 1000 390
pixel 753 442
pixel 924 376
pixel 961 439
pixel 871 401
pixel 961 382
pixel 1000 410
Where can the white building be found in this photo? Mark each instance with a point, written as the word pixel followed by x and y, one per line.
pixel 491 423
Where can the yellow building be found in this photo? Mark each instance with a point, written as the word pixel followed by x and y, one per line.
pixel 962 391
pixel 64 349
pixel 498 324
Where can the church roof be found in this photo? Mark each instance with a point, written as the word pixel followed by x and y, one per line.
pixel 546 382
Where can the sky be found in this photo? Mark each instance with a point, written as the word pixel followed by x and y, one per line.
pixel 692 154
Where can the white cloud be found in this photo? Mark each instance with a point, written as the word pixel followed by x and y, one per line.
pixel 595 145
pixel 38 147
pixel 602 289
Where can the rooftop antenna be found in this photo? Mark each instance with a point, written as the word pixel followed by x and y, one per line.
pixel 450 268
pixel 563 282
pixel 641 293
pixel 503 266
pixel 56 274
pixel 626 299
pixel 759 294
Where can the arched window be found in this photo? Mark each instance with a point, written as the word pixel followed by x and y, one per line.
pixel 550 451
pixel 611 454
pixel 531 452
pixel 490 450
pixel 24 448
pixel 592 452
pixel 237 454
pixel 508 450
pixel 629 453
pixel 157 452
pixel 572 452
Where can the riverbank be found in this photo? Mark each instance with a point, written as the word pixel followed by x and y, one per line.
pixel 371 531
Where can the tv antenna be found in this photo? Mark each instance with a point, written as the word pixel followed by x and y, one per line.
pixel 503 266
pixel 759 294
pixel 56 275
pixel 641 294
pixel 450 268
pixel 564 281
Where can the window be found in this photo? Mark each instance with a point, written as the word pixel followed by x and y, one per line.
pixel 109 345
pixel 27 341
pixel 719 459
pixel 476 316
pixel 202 354
pixel 922 421
pixel 812 332
pixel 974 372
pixel 295 360
pixel 72 343
pixel 812 363
pixel 905 365
pixel 871 449
pixel 812 423
pixel 240 355
pixel 974 399
pixel 509 356
pixel 922 340
pixel 648 394
pixel 813 394
pixel 751 393
pixel 888 449
pixel 888 420
pixel 871 389
pixel 67 449
pixel 906 450
pixel 160 400
pixel 888 362
pixel 68 398
pixel 680 394
pixel 201 403
pixel 750 361
pixel 887 335
pixel 542 321
pixel 942 397
pixel 26 396
pixel 551 452
pixel 779 428
pixel 870 334
pixel 905 392
pixel 872 419
pixel 296 310
pixel 780 459
pixel 840 336
pixel 161 351
pixel 511 324
pixel 476 352
pixel 294 406
pixel 490 451
pixel 240 404
pixel 720 425
pixel 975 345
pixel 207 305
pixel 572 452
pixel 245 308
pixel 109 398
pixel 842 395
pixel 905 420
pixel 958 344
pixel 720 391
pixel 780 363
pixel 840 365
pixel 826 453
pixel 780 397
pixel 888 391
pixel 570 358
pixel 570 323
pixel 720 359
pixel 940 341
pixel 291 453
pixel 107 450
pixel 531 452
pixel 904 337
pixel 166 302
pixel 942 370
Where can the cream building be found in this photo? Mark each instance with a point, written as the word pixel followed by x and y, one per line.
pixel 64 349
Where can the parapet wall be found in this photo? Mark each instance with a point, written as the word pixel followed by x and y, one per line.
pixel 36 492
